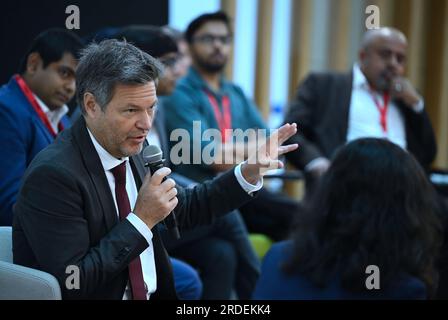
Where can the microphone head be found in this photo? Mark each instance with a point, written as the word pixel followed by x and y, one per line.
pixel 152 154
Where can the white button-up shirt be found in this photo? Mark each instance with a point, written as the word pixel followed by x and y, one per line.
pixel 364 116
pixel 54 116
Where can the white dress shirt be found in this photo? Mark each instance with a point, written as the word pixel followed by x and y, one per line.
pixel 54 116
pixel 364 116
pixel 147 256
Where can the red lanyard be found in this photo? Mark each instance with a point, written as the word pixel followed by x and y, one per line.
pixel 32 100
pixel 382 108
pixel 224 119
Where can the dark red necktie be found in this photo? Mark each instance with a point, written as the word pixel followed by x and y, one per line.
pixel 124 208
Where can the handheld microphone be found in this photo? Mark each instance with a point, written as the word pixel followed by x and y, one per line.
pixel 153 157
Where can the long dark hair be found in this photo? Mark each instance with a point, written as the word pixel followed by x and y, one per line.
pixel 374 206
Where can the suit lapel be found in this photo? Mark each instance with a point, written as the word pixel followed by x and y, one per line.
pixel 344 105
pixel 21 99
pixel 165 287
pixel 159 124
pixel 96 171
pixel 165 284
pixel 48 137
pixel 138 169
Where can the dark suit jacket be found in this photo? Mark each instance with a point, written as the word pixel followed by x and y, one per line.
pixel 321 110
pixel 22 136
pixel 65 215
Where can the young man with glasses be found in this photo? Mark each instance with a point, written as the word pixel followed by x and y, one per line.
pixel 205 95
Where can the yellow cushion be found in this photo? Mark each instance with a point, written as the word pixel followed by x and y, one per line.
pixel 261 243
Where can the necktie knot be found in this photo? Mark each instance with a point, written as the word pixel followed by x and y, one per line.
pixel 119 173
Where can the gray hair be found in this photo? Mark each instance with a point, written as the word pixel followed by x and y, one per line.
pixel 111 62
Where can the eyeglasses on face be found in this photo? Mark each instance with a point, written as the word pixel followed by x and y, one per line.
pixel 210 39
pixel 170 62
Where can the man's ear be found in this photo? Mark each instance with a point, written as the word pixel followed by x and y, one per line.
pixel 90 105
pixel 33 62
pixel 362 55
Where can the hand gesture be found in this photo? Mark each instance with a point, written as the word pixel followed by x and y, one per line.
pixel 266 156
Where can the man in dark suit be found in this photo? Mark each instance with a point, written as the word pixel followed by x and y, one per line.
pixel 221 251
pixel 33 108
pixel 372 100
pixel 86 204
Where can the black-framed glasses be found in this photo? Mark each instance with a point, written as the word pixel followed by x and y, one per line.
pixel 170 62
pixel 210 39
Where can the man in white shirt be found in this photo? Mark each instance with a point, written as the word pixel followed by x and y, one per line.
pixel 33 108
pixel 373 100
pixel 87 202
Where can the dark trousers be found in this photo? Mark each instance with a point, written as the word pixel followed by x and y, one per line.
pixel 271 214
pixel 186 280
pixel 222 254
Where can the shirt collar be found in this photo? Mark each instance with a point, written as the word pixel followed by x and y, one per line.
pixel 53 115
pixel 359 79
pixel 107 160
pixel 195 78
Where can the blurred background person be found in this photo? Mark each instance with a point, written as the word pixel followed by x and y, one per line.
pixel 205 95
pixel 374 206
pixel 33 108
pixel 184 59
pixel 374 99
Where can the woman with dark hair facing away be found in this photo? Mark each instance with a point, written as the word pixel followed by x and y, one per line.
pixel 371 232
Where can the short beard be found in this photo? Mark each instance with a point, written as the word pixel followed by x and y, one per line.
pixel 210 67
pixel 382 85
pixel 126 153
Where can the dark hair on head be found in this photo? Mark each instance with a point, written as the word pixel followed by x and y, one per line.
pixel 111 62
pixel 202 19
pixel 101 34
pixel 151 39
pixel 374 206
pixel 174 33
pixel 51 46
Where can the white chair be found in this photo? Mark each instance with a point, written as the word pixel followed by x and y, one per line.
pixel 22 283
pixel 6 244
